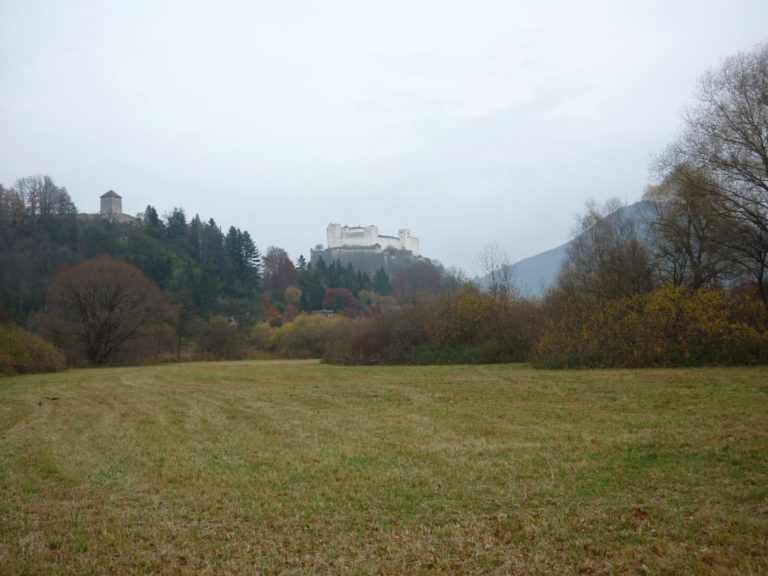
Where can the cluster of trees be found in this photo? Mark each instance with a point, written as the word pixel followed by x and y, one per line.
pixel 712 220
pixel 38 234
pixel 339 287
pixel 691 288
pixel 686 284
pixel 668 326
pixel 110 291
pixel 162 274
pixel 41 232
pixel 463 326
pixel 683 283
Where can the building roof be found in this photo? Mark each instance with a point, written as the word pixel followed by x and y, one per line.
pixel 111 194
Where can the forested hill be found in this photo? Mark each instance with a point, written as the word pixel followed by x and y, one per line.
pixel 41 232
pixel 205 268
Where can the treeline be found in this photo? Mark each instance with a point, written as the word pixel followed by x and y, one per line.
pixel 463 326
pixel 686 285
pixel 683 284
pixel 665 327
pixel 193 289
pixel 41 232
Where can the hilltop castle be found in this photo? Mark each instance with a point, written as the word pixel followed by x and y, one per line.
pixel 369 237
pixel 366 249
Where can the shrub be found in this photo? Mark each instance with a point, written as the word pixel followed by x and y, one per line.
pixel 464 326
pixel 23 352
pixel 670 326
pixel 304 337
pixel 219 339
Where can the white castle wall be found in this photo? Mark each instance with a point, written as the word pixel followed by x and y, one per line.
pixel 408 242
pixel 351 236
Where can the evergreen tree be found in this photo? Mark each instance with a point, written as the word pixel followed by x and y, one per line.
pixel 212 253
pixel 312 289
pixel 251 260
pixel 194 236
pixel 177 223
pixel 244 262
pixel 152 223
pixel 381 282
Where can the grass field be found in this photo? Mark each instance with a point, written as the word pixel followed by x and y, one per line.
pixel 298 467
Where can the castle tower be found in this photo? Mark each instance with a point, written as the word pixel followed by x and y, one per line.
pixel 333 235
pixel 408 242
pixel 111 204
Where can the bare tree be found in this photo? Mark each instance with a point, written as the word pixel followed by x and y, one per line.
pixel 607 258
pixel 421 277
pixel 278 270
pixel 455 278
pixel 497 271
pixel 99 306
pixel 726 137
pixel 43 198
pixel 685 226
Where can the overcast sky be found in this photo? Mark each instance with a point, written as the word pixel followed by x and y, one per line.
pixel 465 121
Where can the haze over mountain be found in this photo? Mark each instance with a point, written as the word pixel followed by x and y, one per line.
pixel 534 274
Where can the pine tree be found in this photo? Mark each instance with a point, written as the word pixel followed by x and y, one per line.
pixel 381 282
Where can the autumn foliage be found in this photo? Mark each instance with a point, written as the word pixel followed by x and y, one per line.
pixel 22 352
pixel 465 326
pixel 304 337
pixel 105 311
pixel 671 326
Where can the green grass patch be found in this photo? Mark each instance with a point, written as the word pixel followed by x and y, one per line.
pixel 300 468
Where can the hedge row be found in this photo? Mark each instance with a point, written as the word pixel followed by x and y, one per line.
pixel 667 327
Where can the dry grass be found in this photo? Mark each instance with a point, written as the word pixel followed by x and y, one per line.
pixel 297 467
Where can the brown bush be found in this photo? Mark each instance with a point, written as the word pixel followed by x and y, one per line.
pixel 103 309
pixel 218 338
pixel 465 326
pixel 22 352
pixel 670 326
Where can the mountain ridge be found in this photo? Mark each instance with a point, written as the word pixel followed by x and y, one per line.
pixel 533 275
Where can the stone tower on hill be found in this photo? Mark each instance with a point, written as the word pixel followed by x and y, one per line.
pixel 112 208
pixel 111 204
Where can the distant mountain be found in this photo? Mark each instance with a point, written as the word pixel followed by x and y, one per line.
pixel 535 274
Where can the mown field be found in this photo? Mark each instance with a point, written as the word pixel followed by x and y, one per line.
pixel 303 468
